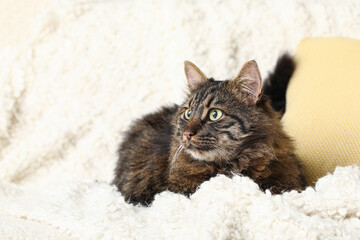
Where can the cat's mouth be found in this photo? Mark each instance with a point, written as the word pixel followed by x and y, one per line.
pixel 199 147
pixel 200 151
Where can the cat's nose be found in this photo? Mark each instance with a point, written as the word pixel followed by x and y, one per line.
pixel 188 134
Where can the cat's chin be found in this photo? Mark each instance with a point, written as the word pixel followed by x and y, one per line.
pixel 201 155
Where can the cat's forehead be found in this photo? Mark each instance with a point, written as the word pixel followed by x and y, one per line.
pixel 210 91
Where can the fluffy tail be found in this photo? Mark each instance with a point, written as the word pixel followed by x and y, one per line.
pixel 276 83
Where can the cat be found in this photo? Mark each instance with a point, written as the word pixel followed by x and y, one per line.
pixel 223 127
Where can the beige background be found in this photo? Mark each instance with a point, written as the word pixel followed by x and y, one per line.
pixel 16 17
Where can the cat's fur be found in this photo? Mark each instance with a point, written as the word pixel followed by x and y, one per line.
pixel 276 84
pixel 166 151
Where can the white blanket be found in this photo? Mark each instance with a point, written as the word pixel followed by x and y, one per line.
pixel 91 67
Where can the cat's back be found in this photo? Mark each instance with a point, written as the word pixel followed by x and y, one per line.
pixel 144 154
pixel 153 130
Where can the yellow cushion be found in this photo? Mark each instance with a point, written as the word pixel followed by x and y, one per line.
pixel 323 105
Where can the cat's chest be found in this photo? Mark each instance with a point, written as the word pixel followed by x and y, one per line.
pixel 186 175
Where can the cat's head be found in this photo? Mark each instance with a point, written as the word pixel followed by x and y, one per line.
pixel 218 117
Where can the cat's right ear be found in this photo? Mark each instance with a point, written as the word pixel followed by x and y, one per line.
pixel 248 83
pixel 195 77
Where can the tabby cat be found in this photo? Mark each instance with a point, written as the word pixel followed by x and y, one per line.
pixel 223 127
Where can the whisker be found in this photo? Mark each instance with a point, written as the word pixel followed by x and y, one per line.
pixel 207 140
pixel 224 155
pixel 173 160
pixel 220 153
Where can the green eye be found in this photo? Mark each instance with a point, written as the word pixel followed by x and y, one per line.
pixel 215 114
pixel 187 114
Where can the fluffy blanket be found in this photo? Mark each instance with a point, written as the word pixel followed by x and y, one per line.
pixel 91 67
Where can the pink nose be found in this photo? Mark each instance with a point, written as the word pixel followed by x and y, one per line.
pixel 189 134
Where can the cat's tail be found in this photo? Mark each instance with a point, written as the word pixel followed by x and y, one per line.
pixel 276 83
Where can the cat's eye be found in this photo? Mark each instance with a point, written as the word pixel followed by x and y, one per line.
pixel 215 114
pixel 187 114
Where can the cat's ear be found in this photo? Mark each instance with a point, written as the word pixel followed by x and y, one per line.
pixel 248 81
pixel 195 77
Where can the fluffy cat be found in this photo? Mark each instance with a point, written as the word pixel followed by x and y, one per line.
pixel 224 127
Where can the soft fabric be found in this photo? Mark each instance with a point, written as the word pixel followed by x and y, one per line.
pixel 222 208
pixel 323 105
pixel 69 91
pixel 16 19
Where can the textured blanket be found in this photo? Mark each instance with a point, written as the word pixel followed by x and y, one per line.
pixel 69 92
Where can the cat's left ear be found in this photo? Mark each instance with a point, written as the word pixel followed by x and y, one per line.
pixel 195 77
pixel 248 81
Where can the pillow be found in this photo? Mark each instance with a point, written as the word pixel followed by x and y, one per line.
pixel 323 105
